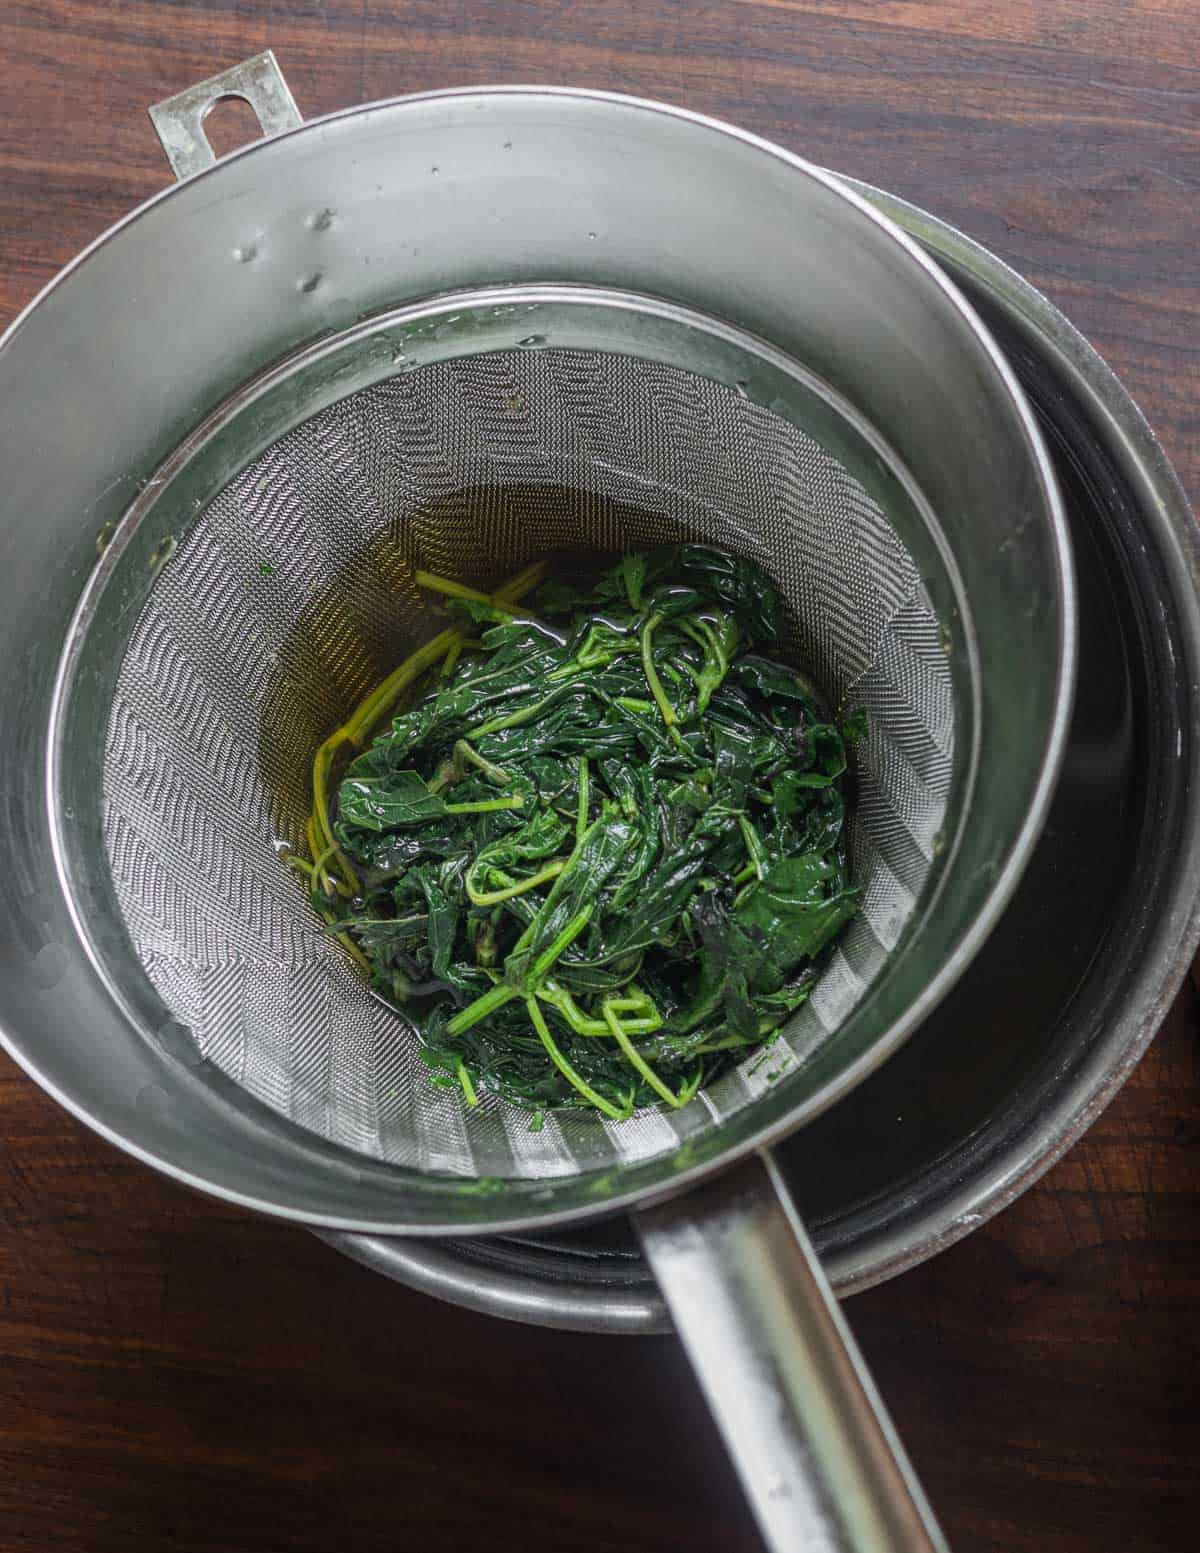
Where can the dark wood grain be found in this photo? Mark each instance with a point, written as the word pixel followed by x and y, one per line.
pixel 177 1375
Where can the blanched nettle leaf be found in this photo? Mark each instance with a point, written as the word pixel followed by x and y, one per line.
pixel 693 795
pixel 726 951
pixel 442 916
pixel 552 776
pixel 381 935
pixel 814 825
pixel 596 645
pixel 576 727
pixel 622 780
pixel 736 582
pixel 375 804
pixel 513 679
pixel 737 754
pixel 798 906
pixel 664 892
pixel 822 756
pixel 821 760
pixel 673 599
pixel 788 998
pixel 506 632
pixel 381 857
pixel 633 576
pixel 502 867
pixel 773 682
pixel 635 791
pixel 392 748
pixel 730 708
pixel 565 596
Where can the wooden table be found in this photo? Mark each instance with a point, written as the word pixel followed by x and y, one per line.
pixel 178 1375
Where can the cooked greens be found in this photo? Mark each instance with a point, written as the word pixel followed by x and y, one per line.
pixel 595 859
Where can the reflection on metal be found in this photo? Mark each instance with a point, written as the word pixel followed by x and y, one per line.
pixel 821 1464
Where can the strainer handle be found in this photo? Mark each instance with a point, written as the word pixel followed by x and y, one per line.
pixel 816 1452
pixel 179 120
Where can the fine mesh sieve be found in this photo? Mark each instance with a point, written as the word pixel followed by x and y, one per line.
pixel 292 594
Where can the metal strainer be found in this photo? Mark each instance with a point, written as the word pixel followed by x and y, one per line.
pixel 292 595
pixel 460 332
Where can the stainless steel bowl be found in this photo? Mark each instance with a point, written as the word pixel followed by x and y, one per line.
pixel 1105 921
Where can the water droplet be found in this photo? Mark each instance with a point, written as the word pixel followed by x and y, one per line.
pixel 162 552
pixel 246 253
pixel 321 220
pixel 309 284
pixel 398 356
pixel 591 237
pixel 508 145
pixel 532 342
pixel 435 170
pixel 104 537
pixel 743 388
pixel 49 966
pixel 153 1099
pixel 179 1042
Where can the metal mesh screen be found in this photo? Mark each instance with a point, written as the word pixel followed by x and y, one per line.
pixel 292 596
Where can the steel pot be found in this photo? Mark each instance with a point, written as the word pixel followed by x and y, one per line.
pixel 1104 921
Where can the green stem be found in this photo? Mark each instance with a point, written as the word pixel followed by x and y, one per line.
pixel 564 1067
pixel 635 1058
pixel 651 673
pixel 494 897
pixel 468 1089
pixel 493 772
pixel 454 769
pixel 524 581
pixel 559 998
pixel 754 847
pixel 503 601
pixel 460 590
pixel 514 720
pixel 563 941
pixel 487 805
pixel 367 715
pixel 581 818
pixel 486 1003
pixel 450 662
pixel 346 941
pixel 693 1084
